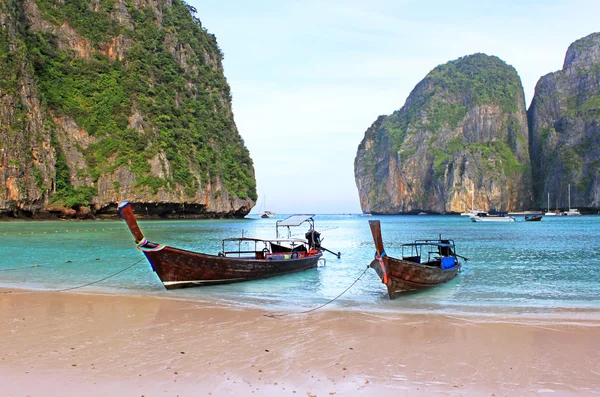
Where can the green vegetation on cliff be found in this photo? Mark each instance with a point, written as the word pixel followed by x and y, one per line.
pixel 9 66
pixel 443 98
pixel 451 90
pixel 95 26
pixel 185 109
pixel 478 79
pixel 464 121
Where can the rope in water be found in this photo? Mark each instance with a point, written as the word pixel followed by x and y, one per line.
pixel 102 279
pixel 318 307
pixel 79 286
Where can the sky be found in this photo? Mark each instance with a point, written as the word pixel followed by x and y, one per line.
pixel 308 78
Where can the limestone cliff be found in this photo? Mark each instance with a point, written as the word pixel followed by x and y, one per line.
pixel 565 133
pixel 461 137
pixel 110 100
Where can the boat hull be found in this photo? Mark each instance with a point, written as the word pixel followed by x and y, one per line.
pixel 404 276
pixel 492 219
pixel 178 268
pixel 533 218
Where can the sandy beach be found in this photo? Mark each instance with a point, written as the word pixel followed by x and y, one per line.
pixel 74 344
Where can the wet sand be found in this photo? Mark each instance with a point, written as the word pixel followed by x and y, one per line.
pixel 73 344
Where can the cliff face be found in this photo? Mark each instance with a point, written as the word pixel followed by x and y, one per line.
pixel 110 100
pixel 461 137
pixel 26 155
pixel 564 126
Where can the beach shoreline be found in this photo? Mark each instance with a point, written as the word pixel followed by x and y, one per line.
pixel 71 344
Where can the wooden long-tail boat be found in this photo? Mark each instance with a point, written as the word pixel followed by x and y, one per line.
pixel 426 264
pixel 179 268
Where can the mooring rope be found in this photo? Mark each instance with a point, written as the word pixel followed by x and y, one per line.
pixel 320 231
pixel 318 307
pixel 77 287
pixel 102 279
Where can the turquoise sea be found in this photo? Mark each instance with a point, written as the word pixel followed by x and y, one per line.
pixel 534 269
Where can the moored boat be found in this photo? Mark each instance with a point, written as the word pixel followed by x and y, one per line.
pixel 571 211
pixel 492 216
pixel 533 218
pixel 423 264
pixel 471 213
pixel 548 212
pixel 245 259
pixel 268 214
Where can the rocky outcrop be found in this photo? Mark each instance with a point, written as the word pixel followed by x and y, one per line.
pixel 461 137
pixel 26 154
pixel 564 129
pixel 103 102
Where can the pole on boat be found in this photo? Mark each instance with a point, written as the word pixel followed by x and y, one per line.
pixel 331 252
pixel 126 212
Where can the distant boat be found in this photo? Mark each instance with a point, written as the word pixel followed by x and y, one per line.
pixel 422 213
pixel 473 211
pixel 534 217
pixel 492 216
pixel 366 213
pixel 571 211
pixel 265 213
pixel 268 214
pixel 423 264
pixel 548 213
pixel 246 259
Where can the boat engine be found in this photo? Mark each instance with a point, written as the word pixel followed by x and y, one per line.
pixel 314 239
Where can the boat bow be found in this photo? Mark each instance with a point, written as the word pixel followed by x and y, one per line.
pixel 380 255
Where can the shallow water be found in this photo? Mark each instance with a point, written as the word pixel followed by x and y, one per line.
pixel 548 268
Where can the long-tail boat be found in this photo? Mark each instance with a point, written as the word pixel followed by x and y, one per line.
pixel 250 258
pixel 423 264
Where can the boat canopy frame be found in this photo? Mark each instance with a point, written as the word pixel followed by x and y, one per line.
pixel 443 248
pixel 294 221
pixel 293 243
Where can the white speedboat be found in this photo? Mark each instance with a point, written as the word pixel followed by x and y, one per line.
pixel 472 213
pixel 492 217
